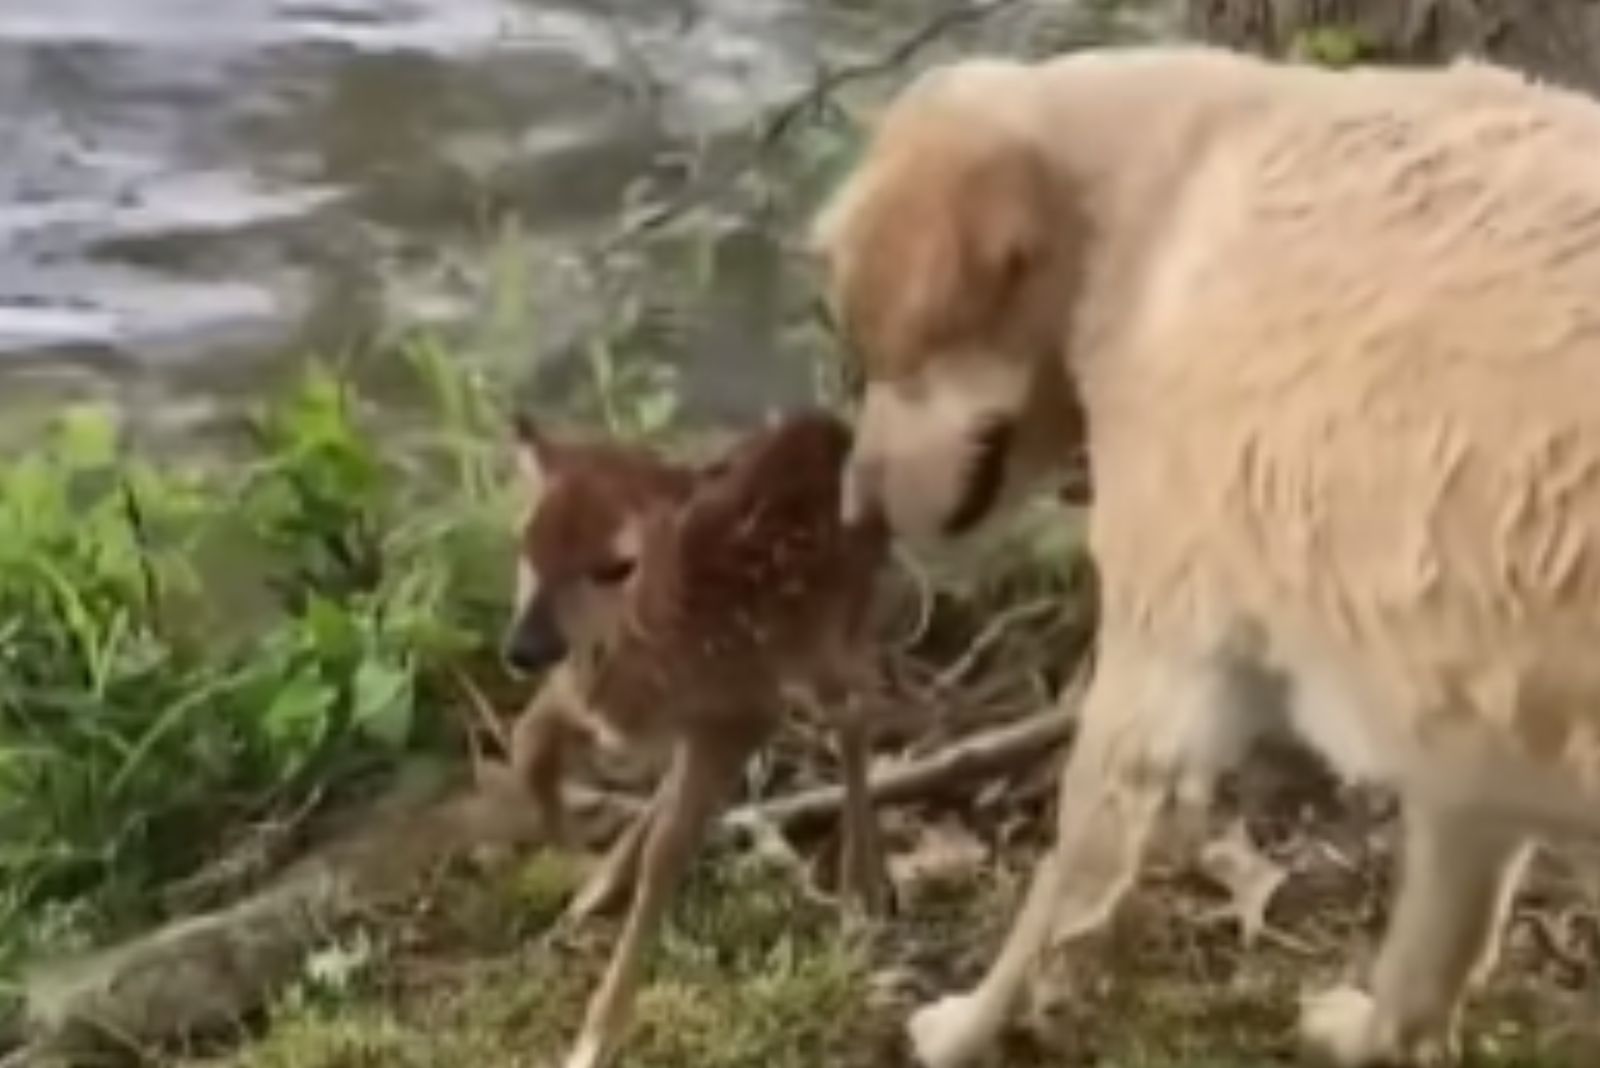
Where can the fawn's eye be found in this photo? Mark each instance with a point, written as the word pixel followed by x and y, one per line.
pixel 611 572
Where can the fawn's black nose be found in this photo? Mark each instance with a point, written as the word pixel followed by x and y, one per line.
pixel 535 642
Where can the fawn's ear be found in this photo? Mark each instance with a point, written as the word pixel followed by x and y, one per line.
pixel 538 455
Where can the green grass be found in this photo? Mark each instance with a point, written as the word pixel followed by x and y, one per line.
pixel 749 973
pixel 752 973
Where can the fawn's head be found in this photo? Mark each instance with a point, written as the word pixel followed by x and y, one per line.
pixel 580 542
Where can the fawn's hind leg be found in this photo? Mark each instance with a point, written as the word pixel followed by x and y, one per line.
pixel 705 768
pixel 1459 873
pixel 863 872
pixel 1110 794
pixel 845 693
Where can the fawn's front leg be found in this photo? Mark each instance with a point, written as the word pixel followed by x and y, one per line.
pixel 531 774
pixel 618 872
pixel 538 750
pixel 704 771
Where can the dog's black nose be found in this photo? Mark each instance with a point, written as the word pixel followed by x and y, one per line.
pixel 531 649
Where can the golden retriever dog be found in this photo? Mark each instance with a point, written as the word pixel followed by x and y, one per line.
pixel 1334 342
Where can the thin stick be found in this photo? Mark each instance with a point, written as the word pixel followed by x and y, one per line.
pixel 990 635
pixel 778 121
pixel 485 714
pixel 982 754
pixel 830 82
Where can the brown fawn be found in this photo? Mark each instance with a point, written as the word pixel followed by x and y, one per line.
pixel 681 607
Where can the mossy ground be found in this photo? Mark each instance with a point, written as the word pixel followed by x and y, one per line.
pixel 756 972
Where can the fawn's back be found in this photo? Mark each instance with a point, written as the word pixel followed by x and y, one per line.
pixel 684 605
pixel 754 583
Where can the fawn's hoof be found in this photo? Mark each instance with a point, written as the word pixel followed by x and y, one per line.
pixel 948 1033
pixel 588 1052
pixel 1344 1028
pixel 872 898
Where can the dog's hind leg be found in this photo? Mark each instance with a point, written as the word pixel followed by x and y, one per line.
pixel 1110 795
pixel 704 770
pixel 1459 872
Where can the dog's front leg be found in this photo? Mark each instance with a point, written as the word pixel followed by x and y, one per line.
pixel 1110 796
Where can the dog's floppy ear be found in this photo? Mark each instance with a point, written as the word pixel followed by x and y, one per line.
pixel 538 454
pixel 934 236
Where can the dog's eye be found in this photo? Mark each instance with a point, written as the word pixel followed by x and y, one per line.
pixel 611 572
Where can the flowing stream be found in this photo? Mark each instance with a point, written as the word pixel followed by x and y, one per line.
pixel 193 190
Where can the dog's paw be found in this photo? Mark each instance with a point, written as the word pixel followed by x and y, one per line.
pixel 948 1034
pixel 1343 1027
pixel 1336 1026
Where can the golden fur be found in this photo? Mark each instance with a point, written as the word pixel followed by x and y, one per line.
pixel 1337 341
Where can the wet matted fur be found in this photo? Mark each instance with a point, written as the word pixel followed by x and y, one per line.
pixel 1334 343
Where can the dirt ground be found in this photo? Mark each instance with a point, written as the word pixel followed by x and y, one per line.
pixel 757 970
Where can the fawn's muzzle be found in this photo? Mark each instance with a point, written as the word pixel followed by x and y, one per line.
pixel 535 641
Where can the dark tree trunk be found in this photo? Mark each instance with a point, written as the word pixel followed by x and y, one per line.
pixel 1555 39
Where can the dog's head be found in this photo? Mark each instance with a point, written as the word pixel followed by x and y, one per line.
pixel 581 541
pixel 949 255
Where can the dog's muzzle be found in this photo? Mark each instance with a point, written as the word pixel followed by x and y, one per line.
pixel 986 477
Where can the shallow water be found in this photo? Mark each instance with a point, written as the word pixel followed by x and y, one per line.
pixel 190 190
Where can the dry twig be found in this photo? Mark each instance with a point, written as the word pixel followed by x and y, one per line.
pixel 782 117
pixel 992 751
pixel 485 715
pixel 991 635
pixel 830 82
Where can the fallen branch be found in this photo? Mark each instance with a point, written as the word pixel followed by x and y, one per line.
pixel 202 975
pixel 993 751
pixel 903 52
pixel 261 850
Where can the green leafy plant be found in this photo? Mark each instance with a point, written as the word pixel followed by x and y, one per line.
pixel 1332 46
pixel 636 398
pixel 187 648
